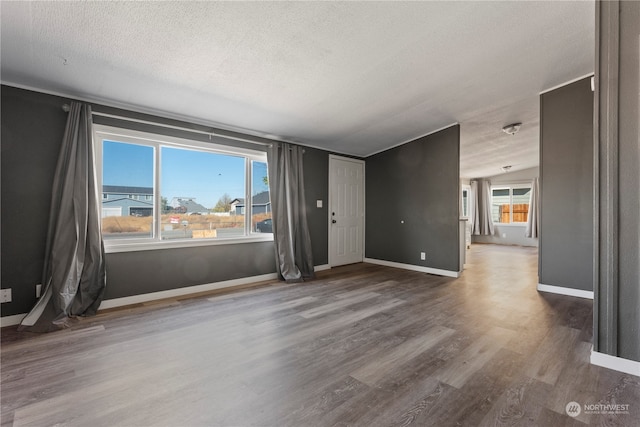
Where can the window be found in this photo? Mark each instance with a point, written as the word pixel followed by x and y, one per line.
pixel 124 166
pixel 171 192
pixel 510 204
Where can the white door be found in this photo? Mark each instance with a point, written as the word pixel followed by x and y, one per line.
pixel 346 210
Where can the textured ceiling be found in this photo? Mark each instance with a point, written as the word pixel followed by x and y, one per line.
pixel 351 77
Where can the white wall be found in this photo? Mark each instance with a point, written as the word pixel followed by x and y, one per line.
pixel 518 177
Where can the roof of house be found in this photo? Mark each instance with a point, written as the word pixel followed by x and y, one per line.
pixel 191 206
pixel 120 189
pixel 125 201
pixel 258 199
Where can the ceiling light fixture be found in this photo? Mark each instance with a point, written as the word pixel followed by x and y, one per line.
pixel 512 129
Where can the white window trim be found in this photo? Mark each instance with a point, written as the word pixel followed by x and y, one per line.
pixel 102 132
pixel 509 187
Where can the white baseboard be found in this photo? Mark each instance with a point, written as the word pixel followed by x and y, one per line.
pixel 171 293
pixel 627 366
pixel 411 267
pixel 11 320
pixel 565 291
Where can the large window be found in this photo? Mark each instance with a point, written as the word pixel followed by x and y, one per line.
pixel 160 191
pixel 510 204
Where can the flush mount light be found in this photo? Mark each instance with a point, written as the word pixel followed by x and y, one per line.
pixel 506 168
pixel 512 129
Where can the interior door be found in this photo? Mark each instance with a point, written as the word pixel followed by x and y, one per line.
pixel 346 210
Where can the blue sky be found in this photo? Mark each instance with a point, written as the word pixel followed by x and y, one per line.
pixel 203 175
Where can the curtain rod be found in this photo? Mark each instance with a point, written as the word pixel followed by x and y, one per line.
pixel 66 108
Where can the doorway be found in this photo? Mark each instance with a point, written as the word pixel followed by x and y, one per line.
pixel 346 210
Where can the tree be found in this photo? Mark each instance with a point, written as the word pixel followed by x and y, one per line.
pixel 224 204
pixel 164 202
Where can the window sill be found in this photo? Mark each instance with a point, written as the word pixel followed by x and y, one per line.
pixel 509 224
pixel 114 246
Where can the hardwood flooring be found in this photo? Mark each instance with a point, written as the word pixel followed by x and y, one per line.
pixel 362 345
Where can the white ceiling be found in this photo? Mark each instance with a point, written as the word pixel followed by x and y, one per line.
pixel 350 77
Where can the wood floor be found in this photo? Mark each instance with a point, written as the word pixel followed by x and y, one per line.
pixel 362 345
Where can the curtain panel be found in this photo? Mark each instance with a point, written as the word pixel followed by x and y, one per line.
pixel 482 223
pixel 292 241
pixel 74 268
pixel 533 227
pixel 473 205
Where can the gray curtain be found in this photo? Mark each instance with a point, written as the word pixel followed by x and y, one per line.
pixel 294 259
pixel 534 211
pixel 483 223
pixel 74 270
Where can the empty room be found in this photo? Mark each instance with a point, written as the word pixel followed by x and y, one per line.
pixel 320 213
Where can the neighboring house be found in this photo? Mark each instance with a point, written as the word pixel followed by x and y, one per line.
pixel 126 201
pixel 188 205
pixel 261 203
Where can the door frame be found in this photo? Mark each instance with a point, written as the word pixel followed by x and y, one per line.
pixel 333 157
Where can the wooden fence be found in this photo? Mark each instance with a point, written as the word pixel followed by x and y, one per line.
pixel 520 212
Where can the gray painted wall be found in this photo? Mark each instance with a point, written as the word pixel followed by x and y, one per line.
pixel 617 290
pixel 629 167
pixel 566 187
pixel 32 129
pixel 134 273
pixel 316 184
pixel 417 183
pixel 510 234
pixel 507 235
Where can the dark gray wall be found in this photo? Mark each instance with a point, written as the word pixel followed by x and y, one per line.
pixel 617 290
pixel 141 272
pixel 316 187
pixel 32 129
pixel 566 187
pixel 417 183
pixel 629 139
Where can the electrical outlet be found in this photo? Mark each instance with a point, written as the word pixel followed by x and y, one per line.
pixel 5 295
pixel 423 256
pixel 38 290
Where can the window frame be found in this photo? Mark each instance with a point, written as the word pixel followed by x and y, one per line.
pixel 509 187
pixel 157 141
